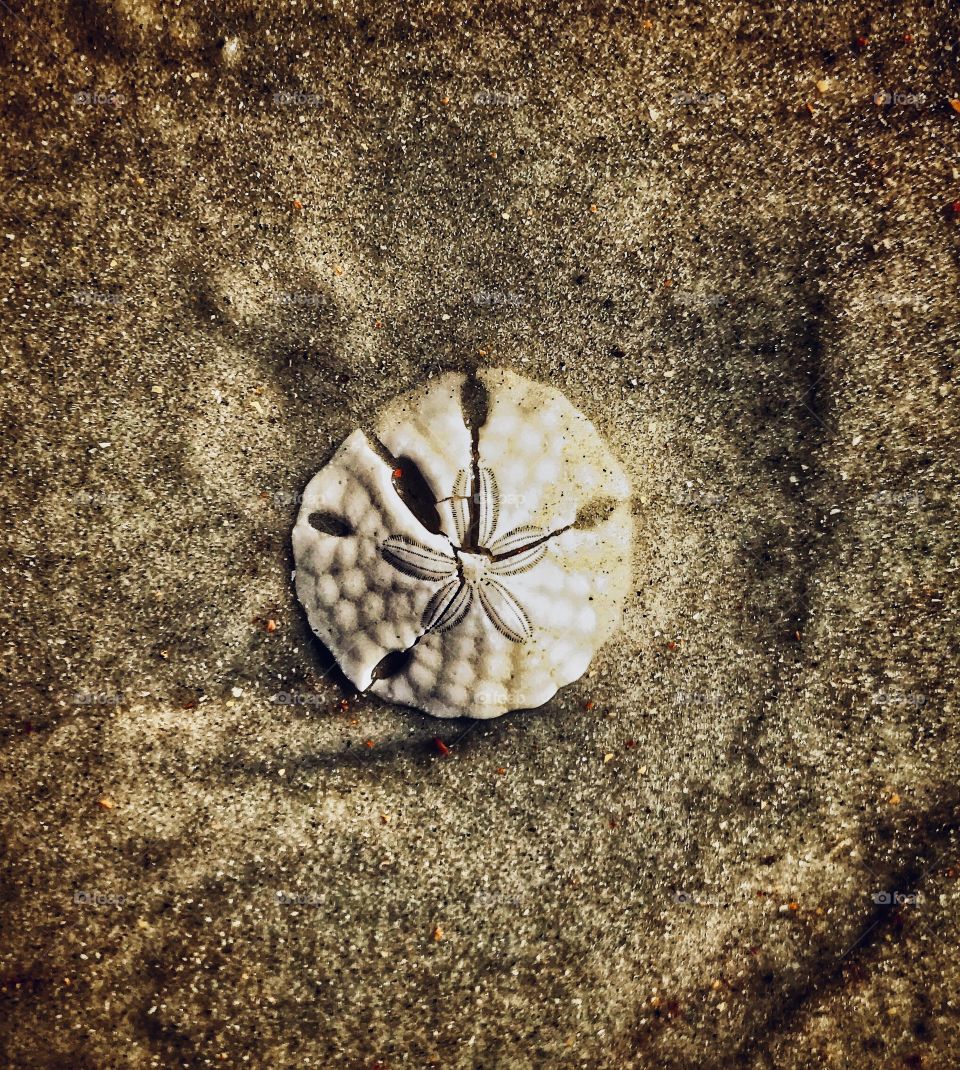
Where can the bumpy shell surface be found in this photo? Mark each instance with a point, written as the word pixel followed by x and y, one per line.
pixel 523 578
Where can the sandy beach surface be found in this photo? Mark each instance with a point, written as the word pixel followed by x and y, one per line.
pixel 231 234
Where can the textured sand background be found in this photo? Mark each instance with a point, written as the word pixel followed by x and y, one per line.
pixel 230 233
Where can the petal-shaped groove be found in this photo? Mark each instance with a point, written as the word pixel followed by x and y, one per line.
pixel 516 540
pixel 506 613
pixel 514 564
pixel 440 603
pixel 450 610
pixel 488 506
pixel 417 560
pixel 459 506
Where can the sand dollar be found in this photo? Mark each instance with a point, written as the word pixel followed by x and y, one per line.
pixel 491 523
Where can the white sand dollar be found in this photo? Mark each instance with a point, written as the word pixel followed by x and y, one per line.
pixel 495 586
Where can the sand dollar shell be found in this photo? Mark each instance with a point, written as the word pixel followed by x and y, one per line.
pixel 494 583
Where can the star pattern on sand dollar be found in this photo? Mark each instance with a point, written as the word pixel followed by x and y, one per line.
pixel 482 574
